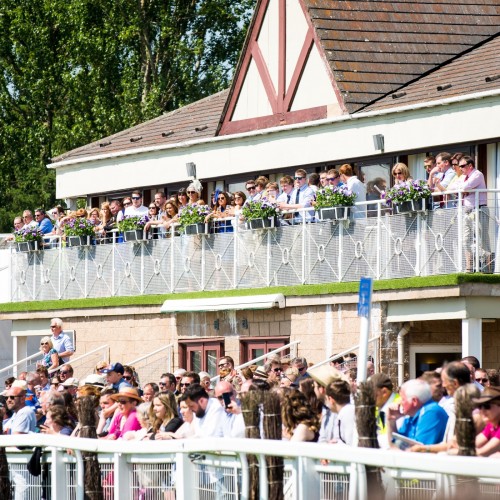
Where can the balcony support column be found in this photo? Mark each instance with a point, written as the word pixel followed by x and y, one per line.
pixel 472 338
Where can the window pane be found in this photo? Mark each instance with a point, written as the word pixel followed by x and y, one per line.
pixel 211 362
pixel 195 361
pixel 257 353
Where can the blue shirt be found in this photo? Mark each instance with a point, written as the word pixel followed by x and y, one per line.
pixel 427 426
pixel 45 225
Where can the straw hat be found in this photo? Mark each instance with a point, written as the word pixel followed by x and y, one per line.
pixel 127 392
pixel 260 373
pixel 325 374
pixel 489 394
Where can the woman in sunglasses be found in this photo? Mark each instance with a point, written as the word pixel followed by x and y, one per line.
pixel 50 356
pixel 126 418
pixel 194 192
pixel 222 210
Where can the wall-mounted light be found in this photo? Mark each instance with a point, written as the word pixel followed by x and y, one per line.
pixel 191 169
pixel 244 324
pixel 216 324
pixel 378 142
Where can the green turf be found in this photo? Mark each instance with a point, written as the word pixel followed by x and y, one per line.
pixel 298 290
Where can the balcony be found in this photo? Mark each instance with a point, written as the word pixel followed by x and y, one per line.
pixel 381 246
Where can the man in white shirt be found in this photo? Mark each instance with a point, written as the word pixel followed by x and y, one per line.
pixel 137 208
pixel 60 341
pixel 301 197
pixel 338 395
pixel 208 413
pixel 233 424
pixel 356 186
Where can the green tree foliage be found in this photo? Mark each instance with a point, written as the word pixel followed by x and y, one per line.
pixel 74 71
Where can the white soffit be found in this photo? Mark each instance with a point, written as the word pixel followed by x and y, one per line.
pixel 443 309
pixel 224 303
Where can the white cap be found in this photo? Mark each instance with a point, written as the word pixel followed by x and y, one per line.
pixel 71 382
pixel 94 379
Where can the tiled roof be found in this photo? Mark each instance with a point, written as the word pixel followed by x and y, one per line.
pixel 375 47
pixel 475 71
pixel 195 121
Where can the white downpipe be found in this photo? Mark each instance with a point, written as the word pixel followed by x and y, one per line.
pixel 401 353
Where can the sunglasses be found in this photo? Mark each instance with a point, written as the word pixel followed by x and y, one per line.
pixel 250 188
pixel 464 165
pixel 190 192
pixel 185 385
pixel 162 384
pixel 123 401
pixel 277 370
pixel 12 397
pixel 298 178
pixel 44 343
pixel 136 197
pixel 127 204
pixel 221 198
pixel 153 207
pixel 302 369
pixel 486 406
pixel 397 173
pixel 331 179
pixel 222 365
pixel 53 326
pixel 482 380
pixel 127 377
pixel 64 372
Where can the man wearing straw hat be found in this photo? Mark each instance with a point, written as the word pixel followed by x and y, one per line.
pixel 323 376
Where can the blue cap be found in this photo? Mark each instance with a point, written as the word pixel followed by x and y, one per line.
pixel 115 367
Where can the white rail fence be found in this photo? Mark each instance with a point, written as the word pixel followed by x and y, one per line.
pixel 218 469
pixel 150 366
pixel 442 241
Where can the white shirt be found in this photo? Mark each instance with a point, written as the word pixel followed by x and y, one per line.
pixel 359 189
pixel 343 431
pixel 233 426
pixel 210 424
pixel 62 344
pixel 131 211
pixel 22 421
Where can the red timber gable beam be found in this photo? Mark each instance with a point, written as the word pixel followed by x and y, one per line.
pixel 280 99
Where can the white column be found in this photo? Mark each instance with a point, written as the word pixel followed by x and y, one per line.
pixel 472 338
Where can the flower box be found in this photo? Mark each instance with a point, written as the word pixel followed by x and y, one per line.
pixel 78 241
pixel 406 207
pixel 334 213
pixel 134 235
pixel 262 223
pixel 199 228
pixel 27 246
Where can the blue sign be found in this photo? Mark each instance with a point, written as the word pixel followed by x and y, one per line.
pixel 365 297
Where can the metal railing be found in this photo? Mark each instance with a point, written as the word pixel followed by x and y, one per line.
pixel 382 246
pixel 85 364
pixel 218 468
pixel 150 366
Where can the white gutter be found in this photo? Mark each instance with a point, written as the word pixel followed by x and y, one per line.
pixel 401 354
pixel 284 128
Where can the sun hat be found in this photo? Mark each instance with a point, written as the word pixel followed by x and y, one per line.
pixel 260 373
pixel 70 382
pixel 127 392
pixel 94 379
pixel 325 374
pixel 489 394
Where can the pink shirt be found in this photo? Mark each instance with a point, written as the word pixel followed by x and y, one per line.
pixel 131 424
pixel 490 432
pixel 475 180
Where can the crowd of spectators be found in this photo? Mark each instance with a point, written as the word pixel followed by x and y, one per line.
pixel 445 172
pixel 317 403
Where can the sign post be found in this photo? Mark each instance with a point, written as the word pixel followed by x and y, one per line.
pixel 364 310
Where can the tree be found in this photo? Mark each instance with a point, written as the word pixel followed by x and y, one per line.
pixel 74 71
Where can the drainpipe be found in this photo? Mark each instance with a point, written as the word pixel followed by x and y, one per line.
pixel 401 353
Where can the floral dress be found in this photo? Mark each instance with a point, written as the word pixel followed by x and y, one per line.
pixel 47 358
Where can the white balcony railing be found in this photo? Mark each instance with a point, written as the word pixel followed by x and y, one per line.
pixel 384 246
pixel 218 468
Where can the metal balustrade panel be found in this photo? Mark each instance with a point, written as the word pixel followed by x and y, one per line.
pixel 157 265
pixel 73 273
pixel 322 265
pixel 99 265
pixel 439 243
pixel 400 246
pixel 213 482
pixel 219 261
pixel 334 486
pixel 25 486
pixel 25 276
pixel 48 269
pixel 251 258
pixel 287 255
pixel 128 269
pixel 187 263
pixel 358 249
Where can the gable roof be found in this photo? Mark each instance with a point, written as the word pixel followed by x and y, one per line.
pixel 475 71
pixel 195 121
pixel 375 47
